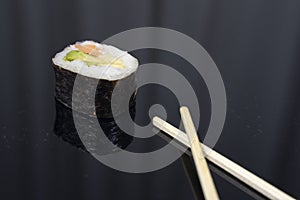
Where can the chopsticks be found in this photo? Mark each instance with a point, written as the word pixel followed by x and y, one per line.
pixel 224 163
pixel 207 183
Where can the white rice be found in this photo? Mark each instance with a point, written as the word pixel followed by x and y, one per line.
pixel 99 72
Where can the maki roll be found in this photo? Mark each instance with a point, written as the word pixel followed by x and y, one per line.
pixel 108 66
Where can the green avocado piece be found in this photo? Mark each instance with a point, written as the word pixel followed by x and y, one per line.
pixel 75 55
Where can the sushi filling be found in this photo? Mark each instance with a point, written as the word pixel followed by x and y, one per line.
pixel 91 55
pixel 96 60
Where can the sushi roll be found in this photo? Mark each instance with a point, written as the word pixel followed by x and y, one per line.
pixel 109 66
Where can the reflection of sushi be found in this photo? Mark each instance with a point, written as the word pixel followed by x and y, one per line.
pixel 109 66
pixel 64 127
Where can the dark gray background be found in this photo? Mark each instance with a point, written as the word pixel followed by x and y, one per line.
pixel 254 43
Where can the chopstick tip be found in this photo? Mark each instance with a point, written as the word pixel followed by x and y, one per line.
pixel 183 109
pixel 156 121
pixel 155 118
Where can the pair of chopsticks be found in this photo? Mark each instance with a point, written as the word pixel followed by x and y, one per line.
pixel 200 151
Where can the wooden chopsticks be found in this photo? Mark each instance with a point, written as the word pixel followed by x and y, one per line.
pixel 221 161
pixel 207 183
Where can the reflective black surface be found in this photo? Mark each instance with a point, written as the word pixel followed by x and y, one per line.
pixel 255 45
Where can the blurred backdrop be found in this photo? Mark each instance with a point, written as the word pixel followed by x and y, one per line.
pixel 255 45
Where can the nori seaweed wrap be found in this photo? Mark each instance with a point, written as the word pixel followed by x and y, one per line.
pixel 64 91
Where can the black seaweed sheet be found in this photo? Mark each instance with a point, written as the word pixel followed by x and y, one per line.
pixel 102 99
